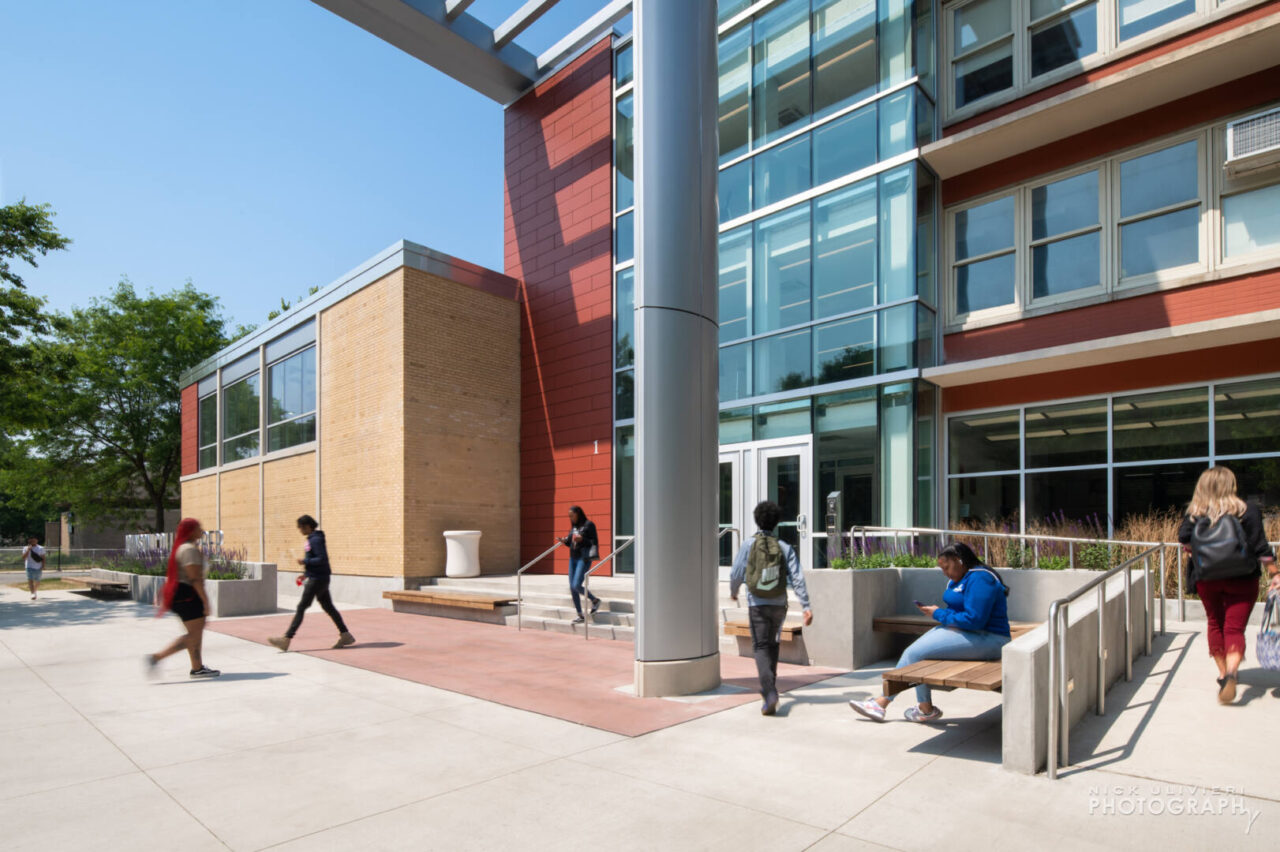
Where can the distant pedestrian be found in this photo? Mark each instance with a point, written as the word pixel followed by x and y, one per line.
pixel 584 548
pixel 315 586
pixel 765 564
pixel 1228 547
pixel 33 557
pixel 974 625
pixel 184 594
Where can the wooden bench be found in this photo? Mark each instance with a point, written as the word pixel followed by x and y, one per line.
pixel 742 628
pixel 946 675
pixel 103 587
pixel 919 624
pixel 446 597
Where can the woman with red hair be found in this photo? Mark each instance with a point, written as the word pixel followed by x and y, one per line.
pixel 184 594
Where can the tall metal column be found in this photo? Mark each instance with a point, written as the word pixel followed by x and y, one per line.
pixel 677 366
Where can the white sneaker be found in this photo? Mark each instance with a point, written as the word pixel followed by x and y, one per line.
pixel 914 714
pixel 869 708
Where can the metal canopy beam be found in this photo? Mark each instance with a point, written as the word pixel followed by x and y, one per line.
pixel 521 20
pixel 586 33
pixel 464 47
pixel 454 8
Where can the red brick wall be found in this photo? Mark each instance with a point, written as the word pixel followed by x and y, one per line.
pixel 1099 73
pixel 1237 96
pixel 1206 365
pixel 1125 316
pixel 559 245
pixel 190 430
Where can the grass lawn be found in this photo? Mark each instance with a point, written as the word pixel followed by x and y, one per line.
pixel 53 585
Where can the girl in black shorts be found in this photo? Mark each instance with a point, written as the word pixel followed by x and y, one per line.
pixel 184 594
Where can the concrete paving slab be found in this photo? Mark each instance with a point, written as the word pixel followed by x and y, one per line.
pixel 58 755
pixel 844 843
pixel 533 730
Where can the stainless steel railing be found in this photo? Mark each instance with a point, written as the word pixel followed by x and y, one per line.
pixel 520 581
pixel 586 583
pixel 1059 619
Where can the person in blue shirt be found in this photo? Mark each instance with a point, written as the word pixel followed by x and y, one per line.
pixel 766 614
pixel 974 625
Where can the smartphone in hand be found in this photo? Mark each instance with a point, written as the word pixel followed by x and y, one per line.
pixel 918 603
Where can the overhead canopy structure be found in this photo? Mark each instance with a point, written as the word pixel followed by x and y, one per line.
pixel 442 34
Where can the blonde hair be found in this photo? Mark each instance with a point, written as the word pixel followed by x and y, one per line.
pixel 1215 495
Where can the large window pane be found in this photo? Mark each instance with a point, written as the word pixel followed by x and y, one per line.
pixel 926 430
pixel 845 145
pixel 1251 221
pixel 985 284
pixel 735 425
pixel 1140 16
pixel 895 38
pixel 984 442
pixel 897 339
pixel 735 283
pixel 1068 434
pixel 1064 40
pixel 292 433
pixel 1164 425
pixel 926 252
pixel 1257 480
pixel 735 89
pixel 1159 179
pixel 844 350
pixel 1066 265
pixel 728 8
pixel 291 387
pixel 240 412
pixel 926 322
pixel 625 329
pixel 897 124
pixel 984 228
pixel 897 234
pixel 984 73
pixel 846 448
pixel 624 67
pixel 735 191
pixel 208 420
pixel 1161 242
pixel 780 75
pixel 1247 417
pixel 624 395
pixel 735 372
pixel 783 363
pixel 1070 495
pixel 781 288
pixel 980 23
pixel 782 420
pixel 985 499
pixel 625 497
pixel 1154 488
pixel 897 454
pixel 844 52
pixel 844 263
pixel 624 248
pixel 782 171
pixel 624 153
pixel 1065 205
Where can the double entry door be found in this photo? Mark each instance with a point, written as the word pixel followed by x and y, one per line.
pixel 780 470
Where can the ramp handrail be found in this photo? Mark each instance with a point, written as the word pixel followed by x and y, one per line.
pixel 586 581
pixel 1059 619
pixel 520 581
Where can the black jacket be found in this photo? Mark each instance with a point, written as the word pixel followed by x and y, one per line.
pixel 317 556
pixel 589 537
pixel 1255 536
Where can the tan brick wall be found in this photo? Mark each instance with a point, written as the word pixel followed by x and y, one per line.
pixel 289 490
pixel 240 519
pixel 462 422
pixel 200 500
pixel 362 430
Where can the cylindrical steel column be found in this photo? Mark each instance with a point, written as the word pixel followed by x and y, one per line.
pixel 677 373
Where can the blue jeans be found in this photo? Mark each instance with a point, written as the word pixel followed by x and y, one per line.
pixel 578 566
pixel 949 643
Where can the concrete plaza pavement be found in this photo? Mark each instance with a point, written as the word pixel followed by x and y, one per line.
pixel 291 751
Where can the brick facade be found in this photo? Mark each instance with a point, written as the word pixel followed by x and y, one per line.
pixel 288 490
pixel 558 242
pixel 238 511
pixel 190 430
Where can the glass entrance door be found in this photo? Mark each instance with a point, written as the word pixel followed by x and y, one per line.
pixel 779 470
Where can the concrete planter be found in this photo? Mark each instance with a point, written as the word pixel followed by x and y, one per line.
pixel 255 595
pixel 844 603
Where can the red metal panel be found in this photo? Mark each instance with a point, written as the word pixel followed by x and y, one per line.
pixel 190 430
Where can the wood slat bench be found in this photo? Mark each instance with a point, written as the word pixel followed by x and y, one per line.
pixel 445 597
pixel 742 628
pixel 919 624
pixel 106 586
pixel 946 675
pixel 792 651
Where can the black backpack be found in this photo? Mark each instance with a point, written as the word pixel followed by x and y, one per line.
pixel 1219 550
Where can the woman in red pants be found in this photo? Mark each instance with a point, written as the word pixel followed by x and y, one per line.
pixel 1228 548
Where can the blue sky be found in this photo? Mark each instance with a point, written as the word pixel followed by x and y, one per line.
pixel 256 147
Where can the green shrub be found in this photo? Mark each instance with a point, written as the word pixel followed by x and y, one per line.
pixel 1054 563
pixel 1094 557
pixel 841 563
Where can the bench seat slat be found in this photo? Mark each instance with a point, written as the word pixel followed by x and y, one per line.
pixel 948 674
pixel 921 624
pixel 743 628
pixel 463 600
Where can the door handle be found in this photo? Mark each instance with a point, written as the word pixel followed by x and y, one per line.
pixel 802 523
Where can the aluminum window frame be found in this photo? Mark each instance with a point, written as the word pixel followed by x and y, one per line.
pixel 267 424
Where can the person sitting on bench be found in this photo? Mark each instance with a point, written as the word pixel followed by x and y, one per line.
pixel 974 625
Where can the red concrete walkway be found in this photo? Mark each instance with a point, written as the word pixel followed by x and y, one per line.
pixel 549 673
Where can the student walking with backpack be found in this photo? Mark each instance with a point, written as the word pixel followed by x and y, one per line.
pixel 974 625
pixel 1227 543
pixel 764 565
pixel 33 558
pixel 315 587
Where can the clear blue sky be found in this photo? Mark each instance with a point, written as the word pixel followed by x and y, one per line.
pixel 256 147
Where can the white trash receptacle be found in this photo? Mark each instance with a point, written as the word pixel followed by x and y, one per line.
pixel 462 553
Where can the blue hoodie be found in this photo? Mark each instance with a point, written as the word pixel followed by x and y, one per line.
pixel 975 602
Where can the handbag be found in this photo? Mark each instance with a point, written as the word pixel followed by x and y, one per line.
pixel 594 552
pixel 1269 634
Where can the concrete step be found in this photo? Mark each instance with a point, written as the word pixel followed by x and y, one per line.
pixel 555 625
pixel 565 612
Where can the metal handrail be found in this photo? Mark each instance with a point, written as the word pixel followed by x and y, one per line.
pixel 586 582
pixel 1022 538
pixel 520 581
pixel 1059 619
pixel 729 529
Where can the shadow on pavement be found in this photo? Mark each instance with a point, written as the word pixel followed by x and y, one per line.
pixel 1256 683
pixel 224 678
pixel 63 611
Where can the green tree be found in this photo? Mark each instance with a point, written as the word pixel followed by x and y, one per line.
pixel 110 442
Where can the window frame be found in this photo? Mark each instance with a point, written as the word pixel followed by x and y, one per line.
pixel 211 398
pixel 223 439
pixel 267 424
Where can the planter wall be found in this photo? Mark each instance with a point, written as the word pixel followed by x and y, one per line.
pixel 844 603
pixel 255 595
